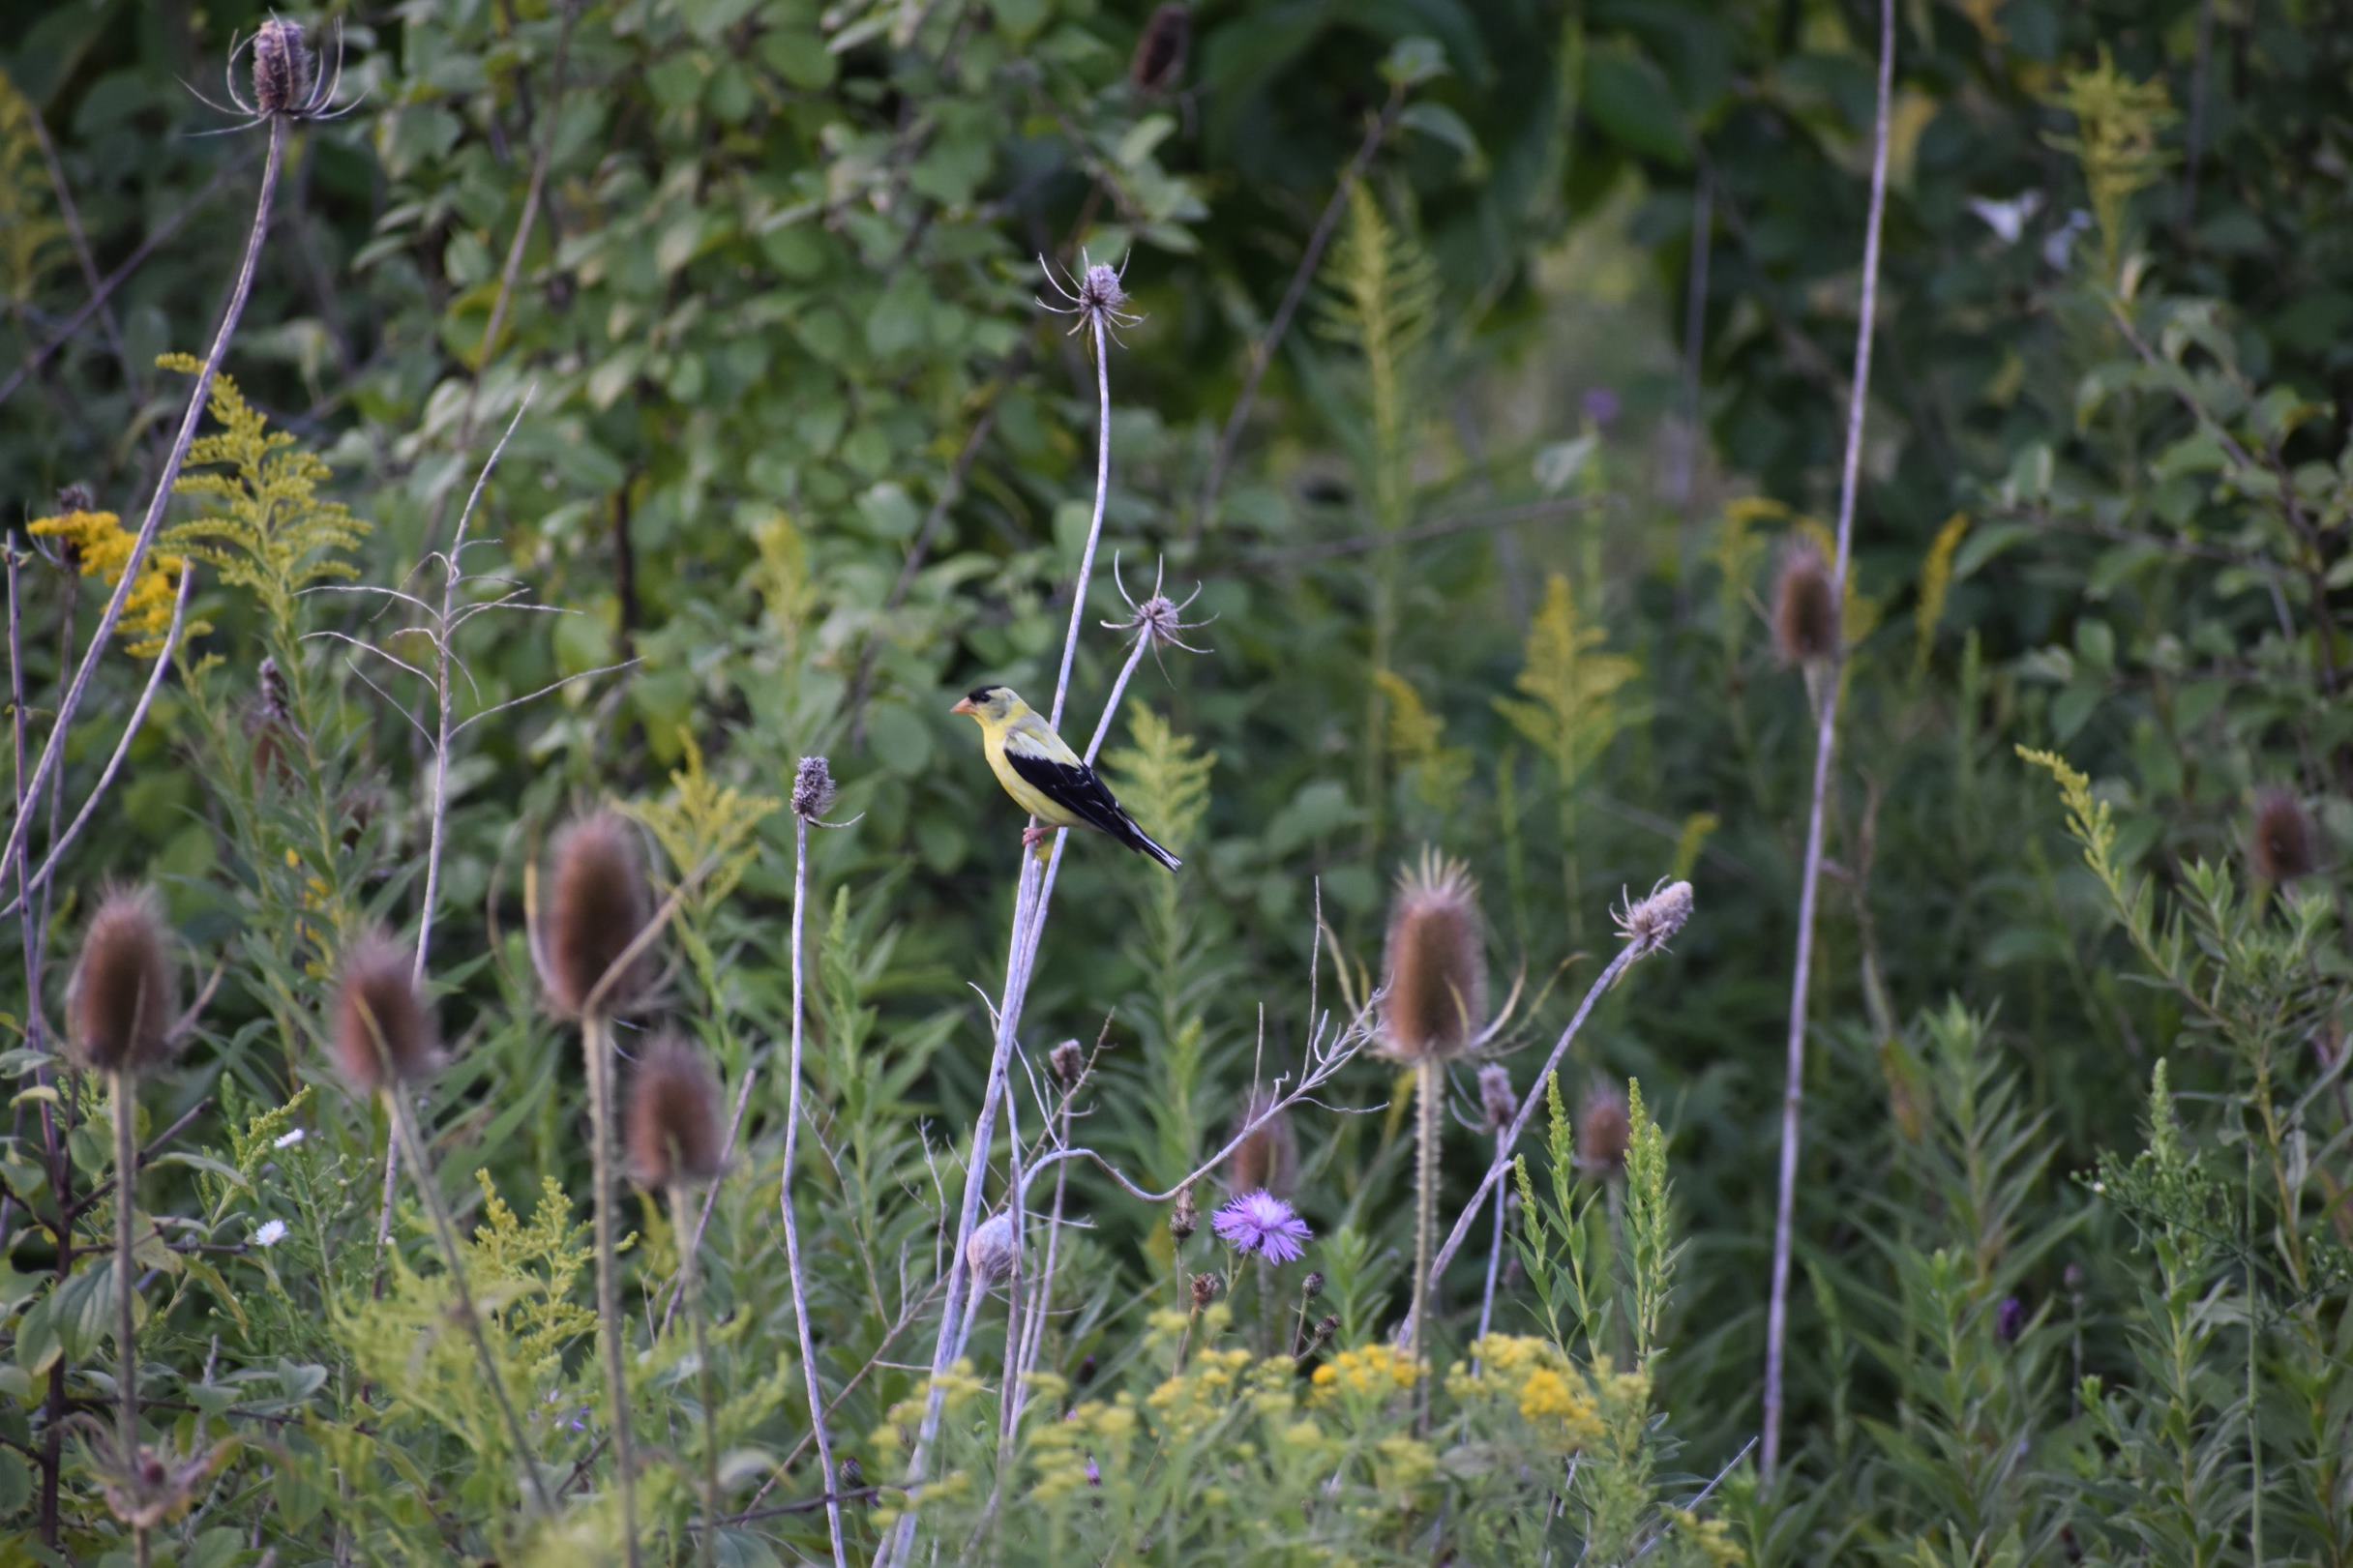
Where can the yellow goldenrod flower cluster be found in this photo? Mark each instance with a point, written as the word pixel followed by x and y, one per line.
pixel 1188 1404
pixel 102 546
pixel 1369 1370
pixel 1713 1537
pixel 1562 1408
pixel 1061 1451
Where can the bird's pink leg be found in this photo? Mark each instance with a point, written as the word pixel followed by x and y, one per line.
pixel 1032 837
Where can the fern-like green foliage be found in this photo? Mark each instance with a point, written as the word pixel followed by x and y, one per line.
pixel 1935 582
pixel 1568 708
pixel 273 536
pixel 704 822
pixel 1381 300
pixel 1164 780
pixel 1416 738
pixel 30 233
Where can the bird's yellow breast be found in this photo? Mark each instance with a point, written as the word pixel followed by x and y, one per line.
pixel 1023 794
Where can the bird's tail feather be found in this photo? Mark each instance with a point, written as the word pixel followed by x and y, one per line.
pixel 1142 842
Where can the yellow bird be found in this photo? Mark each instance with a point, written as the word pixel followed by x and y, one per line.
pixel 1046 777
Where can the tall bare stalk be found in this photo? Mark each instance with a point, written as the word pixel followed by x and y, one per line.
pixel 1826 739
pixel 52 750
pixel 596 1045
pixel 1096 300
pixel 811 793
pixel 126 1284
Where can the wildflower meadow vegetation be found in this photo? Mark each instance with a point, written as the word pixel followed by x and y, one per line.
pixel 1730 610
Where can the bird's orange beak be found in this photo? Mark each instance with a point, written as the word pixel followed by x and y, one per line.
pixel 963 704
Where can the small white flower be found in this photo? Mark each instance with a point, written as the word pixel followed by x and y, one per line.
pixel 271 1233
pixel 287 1140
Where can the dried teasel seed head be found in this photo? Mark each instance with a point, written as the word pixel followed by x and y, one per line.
pixel 1160 53
pixel 1205 1289
pixel 992 1251
pixel 1268 1159
pixel 1497 1103
pixel 2286 843
pixel 1804 606
pixel 1604 1131
pixel 123 995
pixel 383 1033
pixel 1069 1063
pixel 282 67
pixel 1184 1218
pixel 1649 924
pixel 672 1127
pixel 1434 997
pixel 76 497
pixel 813 790
pixel 598 904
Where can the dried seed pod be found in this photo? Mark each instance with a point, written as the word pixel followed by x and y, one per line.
pixel 1160 54
pixel 1497 1103
pixel 1205 1289
pixel 383 1032
pixel 1436 995
pixel 672 1124
pixel 1069 1063
pixel 813 790
pixel 1604 1131
pixel 1649 923
pixel 1804 606
pixel 1268 1159
pixel 992 1252
pixel 2286 844
pixel 1184 1218
pixel 600 905
pixel 282 67
pixel 124 993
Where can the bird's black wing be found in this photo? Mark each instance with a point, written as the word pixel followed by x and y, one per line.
pixel 1073 787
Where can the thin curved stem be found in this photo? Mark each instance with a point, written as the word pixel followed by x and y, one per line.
pixel 1826 740
pixel 792 1235
pixel 52 750
pixel 690 1274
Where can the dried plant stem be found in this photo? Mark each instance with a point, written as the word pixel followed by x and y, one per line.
pixel 126 1284
pixel 1826 737
pixel 52 750
pixel 1031 893
pixel 596 1045
pixel 445 1232
pixel 823 1440
pixel 689 1276
pixel 1429 1094
pixel 1035 1330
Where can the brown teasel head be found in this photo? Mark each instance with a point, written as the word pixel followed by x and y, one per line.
pixel 2286 843
pixel 671 1126
pixel 1069 1063
pixel 598 904
pixel 1435 995
pixel 1268 1159
pixel 124 993
pixel 1160 52
pixel 282 67
pixel 813 788
pixel 383 1033
pixel 993 1251
pixel 1804 606
pixel 1604 1131
pixel 1205 1289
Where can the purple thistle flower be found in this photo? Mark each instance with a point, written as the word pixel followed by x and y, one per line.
pixel 1261 1222
pixel 2010 1319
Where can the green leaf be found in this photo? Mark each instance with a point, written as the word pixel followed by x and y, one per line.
pixel 1629 99
pixel 902 741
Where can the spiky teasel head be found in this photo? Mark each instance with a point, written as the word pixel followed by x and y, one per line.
pixel 383 1033
pixel 2285 843
pixel 598 904
pixel 1604 1130
pixel 993 1251
pixel 813 790
pixel 282 67
pixel 120 1002
pixel 1160 53
pixel 1269 1158
pixel 1804 606
pixel 1497 1103
pixel 1435 993
pixel 1069 1063
pixel 1649 924
pixel 672 1131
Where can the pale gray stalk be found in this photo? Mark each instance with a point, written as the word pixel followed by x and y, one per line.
pixel 1029 922
pixel 596 1041
pixel 60 842
pixel 1495 1259
pixel 1826 739
pixel 792 1235
pixel 126 1288
pixel 52 750
pixel 690 1282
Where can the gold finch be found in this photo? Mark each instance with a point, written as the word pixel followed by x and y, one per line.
pixel 1046 777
